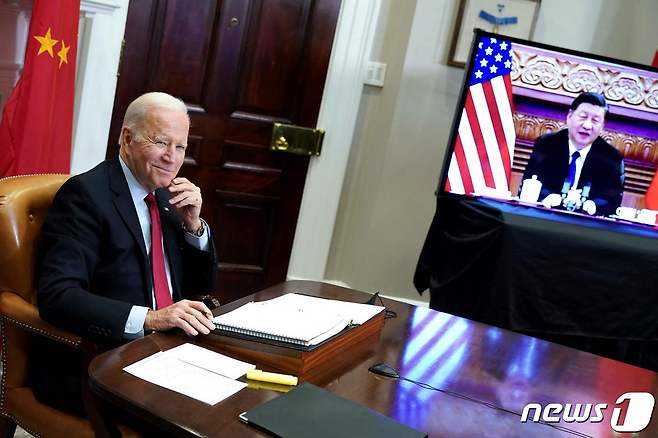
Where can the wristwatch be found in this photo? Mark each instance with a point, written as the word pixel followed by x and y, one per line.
pixel 199 231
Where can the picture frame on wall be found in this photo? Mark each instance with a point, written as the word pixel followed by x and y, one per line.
pixel 515 18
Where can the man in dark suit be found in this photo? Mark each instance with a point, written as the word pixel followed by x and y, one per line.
pixel 579 157
pixel 123 243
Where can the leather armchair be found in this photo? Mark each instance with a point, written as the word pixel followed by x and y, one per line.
pixel 24 201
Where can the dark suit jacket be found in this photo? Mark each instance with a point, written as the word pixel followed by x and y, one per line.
pixel 603 170
pixel 94 264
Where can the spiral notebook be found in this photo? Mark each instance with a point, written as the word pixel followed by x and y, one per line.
pixel 294 319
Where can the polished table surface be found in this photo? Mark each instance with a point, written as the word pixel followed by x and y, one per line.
pixel 471 359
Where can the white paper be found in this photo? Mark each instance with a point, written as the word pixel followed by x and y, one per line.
pixel 210 360
pixel 357 313
pixel 309 320
pixel 168 370
pixel 281 320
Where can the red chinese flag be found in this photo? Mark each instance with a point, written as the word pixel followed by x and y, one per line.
pixel 37 120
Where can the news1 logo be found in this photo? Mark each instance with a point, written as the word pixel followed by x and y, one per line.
pixel 638 412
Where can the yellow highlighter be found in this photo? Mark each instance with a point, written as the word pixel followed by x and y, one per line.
pixel 262 376
pixel 254 384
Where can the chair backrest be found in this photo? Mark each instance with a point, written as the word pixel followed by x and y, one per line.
pixel 24 202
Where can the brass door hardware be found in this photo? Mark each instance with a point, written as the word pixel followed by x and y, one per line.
pixel 296 139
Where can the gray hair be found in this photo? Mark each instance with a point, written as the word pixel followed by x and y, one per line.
pixel 133 119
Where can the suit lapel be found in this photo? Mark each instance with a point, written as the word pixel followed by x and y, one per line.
pixel 562 166
pixel 170 232
pixel 124 204
pixel 592 162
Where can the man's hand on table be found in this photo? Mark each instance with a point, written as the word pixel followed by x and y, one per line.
pixel 552 200
pixel 193 317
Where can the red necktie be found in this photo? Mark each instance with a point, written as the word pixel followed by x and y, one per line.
pixel 160 283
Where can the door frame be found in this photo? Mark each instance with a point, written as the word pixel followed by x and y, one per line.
pixel 357 23
pixel 355 32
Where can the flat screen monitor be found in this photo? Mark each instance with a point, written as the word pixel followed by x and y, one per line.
pixel 555 129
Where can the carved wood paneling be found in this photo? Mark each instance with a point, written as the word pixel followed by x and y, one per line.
pixel 566 75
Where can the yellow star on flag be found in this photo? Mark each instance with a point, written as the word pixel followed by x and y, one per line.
pixel 47 43
pixel 62 54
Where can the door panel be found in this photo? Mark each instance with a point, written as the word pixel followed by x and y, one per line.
pixel 286 19
pixel 239 65
pixel 179 64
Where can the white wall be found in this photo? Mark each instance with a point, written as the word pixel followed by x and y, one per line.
pixel 572 23
pixel 643 39
pixel 398 124
pixel 397 152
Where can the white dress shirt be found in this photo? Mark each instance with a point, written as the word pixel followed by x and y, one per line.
pixel 135 323
pixel 580 161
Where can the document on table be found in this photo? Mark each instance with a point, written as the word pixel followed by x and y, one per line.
pixel 193 371
pixel 294 318
pixel 211 361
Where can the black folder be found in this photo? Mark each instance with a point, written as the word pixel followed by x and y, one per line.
pixel 311 411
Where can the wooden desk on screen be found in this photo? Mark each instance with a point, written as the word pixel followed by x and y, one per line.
pixel 479 361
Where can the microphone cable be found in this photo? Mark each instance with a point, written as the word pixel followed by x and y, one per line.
pixel 388 314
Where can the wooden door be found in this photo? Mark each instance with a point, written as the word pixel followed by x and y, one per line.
pixel 239 65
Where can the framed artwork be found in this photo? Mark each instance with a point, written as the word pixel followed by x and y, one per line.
pixel 515 18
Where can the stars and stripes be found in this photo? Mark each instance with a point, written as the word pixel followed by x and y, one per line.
pixel 484 147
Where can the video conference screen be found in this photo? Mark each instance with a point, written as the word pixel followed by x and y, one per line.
pixel 555 129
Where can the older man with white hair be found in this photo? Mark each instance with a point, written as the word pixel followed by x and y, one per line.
pixel 123 243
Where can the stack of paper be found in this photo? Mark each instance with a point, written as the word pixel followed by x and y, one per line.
pixel 294 318
pixel 193 371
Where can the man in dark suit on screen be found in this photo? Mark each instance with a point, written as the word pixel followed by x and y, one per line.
pixel 577 156
pixel 123 243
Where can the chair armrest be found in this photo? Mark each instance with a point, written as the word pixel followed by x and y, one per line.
pixel 16 310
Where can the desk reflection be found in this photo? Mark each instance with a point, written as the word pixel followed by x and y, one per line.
pixel 480 362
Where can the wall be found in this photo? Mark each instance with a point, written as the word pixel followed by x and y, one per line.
pixel 643 39
pixel 387 201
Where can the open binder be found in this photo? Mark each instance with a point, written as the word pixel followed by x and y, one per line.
pixel 312 411
pixel 294 320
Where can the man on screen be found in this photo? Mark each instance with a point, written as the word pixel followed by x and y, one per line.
pixel 576 158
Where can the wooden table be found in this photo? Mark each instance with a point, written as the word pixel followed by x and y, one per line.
pixel 475 360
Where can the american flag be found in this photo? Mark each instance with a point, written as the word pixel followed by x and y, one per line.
pixel 484 146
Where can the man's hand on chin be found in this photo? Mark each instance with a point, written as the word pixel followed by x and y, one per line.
pixel 187 200
pixel 193 317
